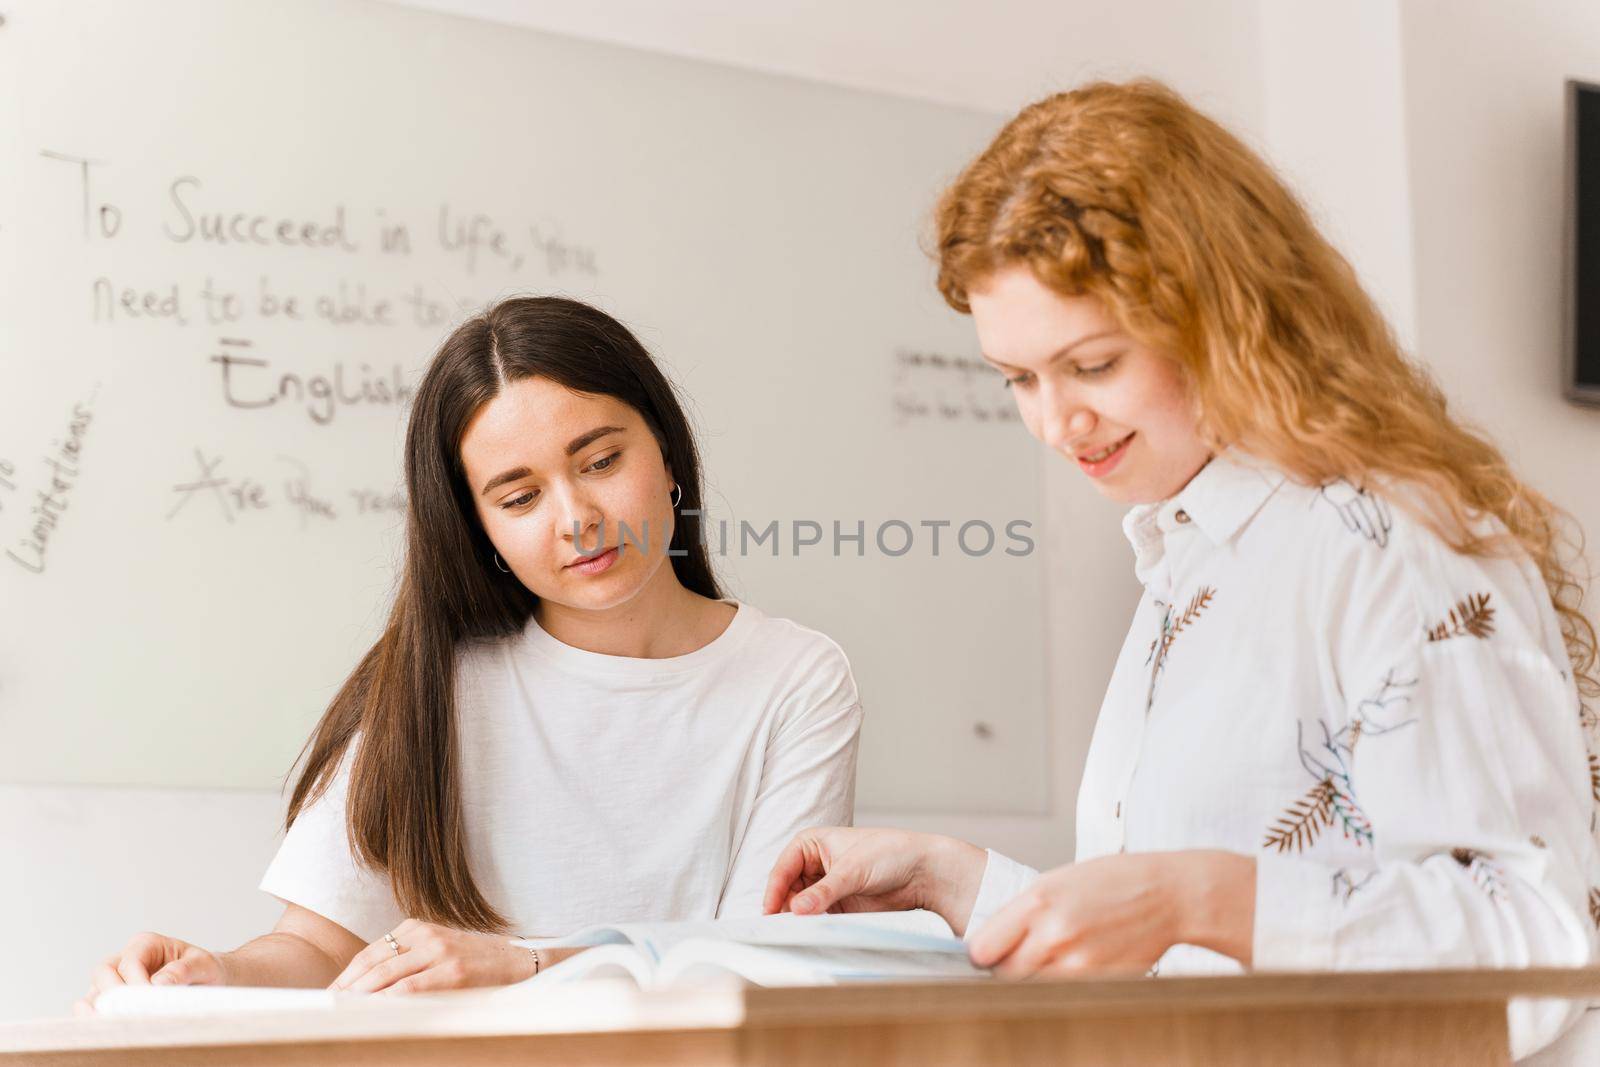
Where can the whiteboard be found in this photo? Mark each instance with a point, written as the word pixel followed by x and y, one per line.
pixel 234 234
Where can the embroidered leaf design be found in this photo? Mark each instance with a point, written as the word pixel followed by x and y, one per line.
pixel 1352 820
pixel 1472 617
pixel 1197 604
pixel 1490 879
pixel 1333 788
pixel 1486 874
pixel 1355 735
pixel 1587 717
pixel 1304 820
pixel 1594 776
pixel 1536 841
pixel 1594 907
pixel 1166 621
pixel 1344 886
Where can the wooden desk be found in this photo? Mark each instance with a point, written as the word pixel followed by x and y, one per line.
pixel 1401 1018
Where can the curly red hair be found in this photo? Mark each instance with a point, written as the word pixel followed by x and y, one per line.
pixel 1127 193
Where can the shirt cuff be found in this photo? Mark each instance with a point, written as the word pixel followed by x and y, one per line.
pixel 1003 878
pixel 1295 908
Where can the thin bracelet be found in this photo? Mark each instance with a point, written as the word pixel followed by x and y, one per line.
pixel 537 962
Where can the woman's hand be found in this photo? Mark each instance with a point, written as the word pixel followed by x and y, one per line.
pixel 1119 914
pixel 153 959
pixel 433 957
pixel 842 869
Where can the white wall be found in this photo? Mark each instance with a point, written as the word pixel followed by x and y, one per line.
pixel 100 864
pixel 996 55
pixel 1427 137
pixel 1484 107
pixel 1333 125
pixel 86 868
pixel 1424 134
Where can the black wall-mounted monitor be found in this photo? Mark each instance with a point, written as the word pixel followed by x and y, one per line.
pixel 1582 379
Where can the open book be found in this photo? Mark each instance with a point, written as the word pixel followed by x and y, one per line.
pixel 773 950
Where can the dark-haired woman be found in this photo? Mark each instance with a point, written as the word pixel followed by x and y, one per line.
pixel 564 722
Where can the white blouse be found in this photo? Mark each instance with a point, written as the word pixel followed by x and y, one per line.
pixel 1391 729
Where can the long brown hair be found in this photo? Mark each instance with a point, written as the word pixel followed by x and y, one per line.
pixel 404 812
pixel 1127 193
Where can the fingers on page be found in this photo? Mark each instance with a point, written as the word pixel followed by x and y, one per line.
pixel 187 969
pixel 999 937
pixel 106 975
pixel 1027 958
pixel 837 884
pixel 785 875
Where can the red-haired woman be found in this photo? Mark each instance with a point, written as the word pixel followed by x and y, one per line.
pixel 1347 726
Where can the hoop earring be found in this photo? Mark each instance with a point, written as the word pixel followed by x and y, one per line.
pixel 504 569
pixel 677 494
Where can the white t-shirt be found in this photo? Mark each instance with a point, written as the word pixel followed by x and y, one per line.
pixel 605 788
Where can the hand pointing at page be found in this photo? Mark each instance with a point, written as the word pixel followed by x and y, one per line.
pixel 1112 914
pixel 844 869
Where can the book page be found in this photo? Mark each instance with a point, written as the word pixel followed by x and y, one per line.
pixel 910 931
pixel 791 965
pixel 615 961
pixel 772 950
pixel 209 999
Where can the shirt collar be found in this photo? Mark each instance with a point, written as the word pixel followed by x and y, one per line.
pixel 1219 501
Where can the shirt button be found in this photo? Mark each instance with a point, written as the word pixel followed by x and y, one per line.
pixel 1181 516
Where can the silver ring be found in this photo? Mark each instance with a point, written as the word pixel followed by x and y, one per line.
pixel 392 943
